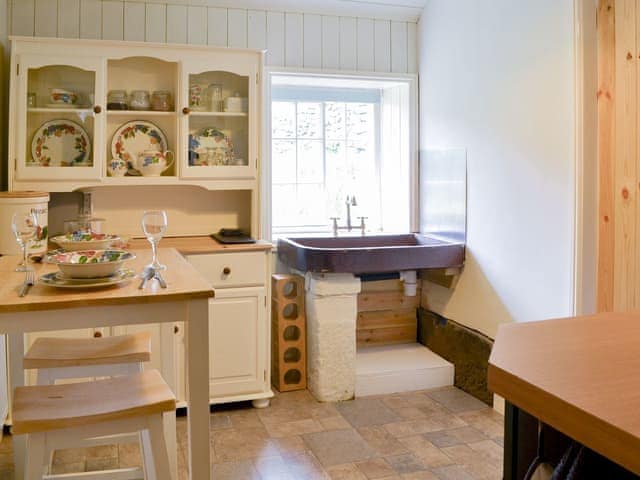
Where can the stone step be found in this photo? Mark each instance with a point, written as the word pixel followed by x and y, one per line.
pixel 400 368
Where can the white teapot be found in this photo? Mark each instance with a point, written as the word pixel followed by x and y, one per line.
pixel 151 163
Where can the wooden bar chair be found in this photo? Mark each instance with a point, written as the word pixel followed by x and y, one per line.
pixel 64 358
pixel 67 358
pixel 60 415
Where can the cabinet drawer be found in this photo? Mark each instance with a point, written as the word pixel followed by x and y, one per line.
pixel 231 269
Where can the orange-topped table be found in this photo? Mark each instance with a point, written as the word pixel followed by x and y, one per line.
pixel 579 375
pixel 184 299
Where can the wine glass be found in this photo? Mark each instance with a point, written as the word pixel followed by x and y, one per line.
pixel 25 227
pixel 154 224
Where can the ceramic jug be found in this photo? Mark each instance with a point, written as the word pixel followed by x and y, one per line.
pixel 151 163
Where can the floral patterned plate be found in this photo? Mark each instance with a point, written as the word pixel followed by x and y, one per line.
pixel 210 146
pixel 56 279
pixel 132 138
pixel 60 143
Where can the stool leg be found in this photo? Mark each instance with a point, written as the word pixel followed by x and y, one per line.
pixel 147 456
pixel 169 421
pixel 159 448
pixel 36 460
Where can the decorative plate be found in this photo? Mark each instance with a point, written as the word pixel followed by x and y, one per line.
pixel 210 146
pixel 85 240
pixel 61 143
pixel 57 279
pixel 132 138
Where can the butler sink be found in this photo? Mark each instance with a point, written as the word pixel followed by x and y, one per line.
pixel 369 254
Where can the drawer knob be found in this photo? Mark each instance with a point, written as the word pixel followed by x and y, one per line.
pixel 97 334
pixel 176 329
pixel 226 271
pixel 186 110
pixel 97 109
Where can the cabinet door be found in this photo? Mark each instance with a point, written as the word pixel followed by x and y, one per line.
pixel 237 341
pixel 220 113
pixel 58 118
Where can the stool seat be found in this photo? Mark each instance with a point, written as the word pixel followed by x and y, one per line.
pixel 42 408
pixel 48 352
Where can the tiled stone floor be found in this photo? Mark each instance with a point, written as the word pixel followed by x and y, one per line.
pixel 438 434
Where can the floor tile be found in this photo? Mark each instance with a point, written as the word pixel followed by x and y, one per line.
pixel 348 471
pixel 334 423
pixel 337 447
pixel 423 425
pixel 455 436
pixel 290 444
pixel 365 412
pixel 452 472
pixel 298 427
pixel 238 470
pixel 304 465
pixel 406 463
pixel 423 475
pixel 455 400
pixel 426 451
pixel 382 441
pixel 272 468
pixel 376 468
pixel 243 443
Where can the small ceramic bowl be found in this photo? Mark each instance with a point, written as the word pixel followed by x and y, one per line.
pixel 84 240
pixel 63 97
pixel 90 263
pixel 117 167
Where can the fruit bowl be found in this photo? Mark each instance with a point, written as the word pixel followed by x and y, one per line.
pixel 90 263
pixel 83 240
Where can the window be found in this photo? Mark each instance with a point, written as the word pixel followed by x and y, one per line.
pixel 327 149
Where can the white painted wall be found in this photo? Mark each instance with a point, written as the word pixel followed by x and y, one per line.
pixel 499 82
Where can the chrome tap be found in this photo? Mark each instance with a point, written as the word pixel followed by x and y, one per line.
pixel 350 202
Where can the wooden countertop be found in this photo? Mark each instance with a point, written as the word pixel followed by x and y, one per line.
pixel 201 244
pixel 580 375
pixel 183 283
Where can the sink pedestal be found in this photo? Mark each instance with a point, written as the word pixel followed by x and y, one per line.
pixel 332 310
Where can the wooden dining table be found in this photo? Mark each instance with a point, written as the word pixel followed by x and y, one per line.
pixel 51 308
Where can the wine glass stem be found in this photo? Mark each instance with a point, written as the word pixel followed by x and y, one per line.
pixel 154 253
pixel 24 254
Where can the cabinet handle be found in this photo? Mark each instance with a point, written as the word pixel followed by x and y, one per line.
pixel 97 334
pixel 176 329
pixel 226 271
pixel 97 109
pixel 186 110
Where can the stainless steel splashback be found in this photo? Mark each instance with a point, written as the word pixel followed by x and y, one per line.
pixel 443 194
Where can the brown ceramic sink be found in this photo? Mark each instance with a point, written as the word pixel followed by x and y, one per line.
pixel 369 254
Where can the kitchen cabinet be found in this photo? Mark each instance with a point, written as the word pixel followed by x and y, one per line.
pixel 238 325
pixel 70 129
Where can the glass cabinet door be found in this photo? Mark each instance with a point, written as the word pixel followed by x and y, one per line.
pixel 219 123
pixel 59 107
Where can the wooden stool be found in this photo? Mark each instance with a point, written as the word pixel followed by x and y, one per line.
pixel 64 358
pixel 60 358
pixel 60 415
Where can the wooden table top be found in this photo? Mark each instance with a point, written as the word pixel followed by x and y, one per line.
pixel 183 283
pixel 580 375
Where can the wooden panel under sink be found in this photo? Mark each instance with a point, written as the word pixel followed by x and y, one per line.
pixel 385 315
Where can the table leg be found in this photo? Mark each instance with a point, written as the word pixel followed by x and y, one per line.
pixel 16 379
pixel 197 360
pixel 520 441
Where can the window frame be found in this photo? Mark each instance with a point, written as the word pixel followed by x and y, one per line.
pixel 411 80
